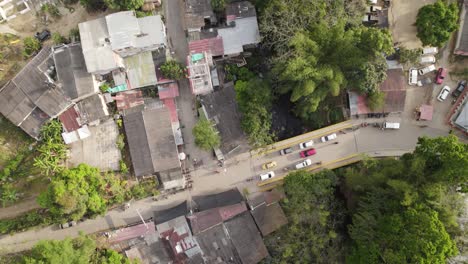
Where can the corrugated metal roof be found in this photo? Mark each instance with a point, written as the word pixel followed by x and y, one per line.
pixel 140 70
pixel 70 119
pixel 245 32
pixel 123 28
pixel 168 90
pixel 214 46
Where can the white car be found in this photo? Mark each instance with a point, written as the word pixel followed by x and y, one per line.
pixel 267 175
pixel 304 164
pixel 307 144
pixel 413 77
pixel 427 59
pixel 328 138
pixel 443 93
pixel 427 69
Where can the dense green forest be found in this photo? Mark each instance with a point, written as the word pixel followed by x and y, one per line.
pixel 378 211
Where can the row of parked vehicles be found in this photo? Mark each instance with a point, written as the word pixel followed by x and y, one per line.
pixel 306 152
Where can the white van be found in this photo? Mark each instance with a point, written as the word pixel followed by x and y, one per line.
pixel 427 59
pixel 304 164
pixel 430 50
pixel 427 69
pixel 388 125
pixel 413 77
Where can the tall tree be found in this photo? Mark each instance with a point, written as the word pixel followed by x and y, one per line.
pixel 206 135
pixel 436 22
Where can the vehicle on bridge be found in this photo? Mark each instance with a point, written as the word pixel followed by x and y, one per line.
pixel 304 164
pixel 269 165
pixel 306 144
pixel 267 175
pixel 285 151
pixel 307 153
pixel 328 138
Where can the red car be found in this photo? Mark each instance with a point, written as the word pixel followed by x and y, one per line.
pixel 441 73
pixel 307 153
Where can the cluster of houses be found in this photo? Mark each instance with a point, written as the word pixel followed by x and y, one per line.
pixel 217 228
pixel 123 53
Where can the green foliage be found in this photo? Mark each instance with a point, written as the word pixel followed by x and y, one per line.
pixel 58 39
pixel 74 34
pixel 123 167
pixel 254 98
pixel 409 56
pixel 173 70
pixel 51 9
pixel 206 135
pixel 51 149
pixel 234 73
pixel 120 142
pixel 9 170
pixel 81 250
pixel 119 123
pixel 31 46
pixel 324 59
pixel 376 100
pixel 8 194
pixel 405 211
pixel 79 191
pixel 314 215
pixel 124 4
pixel 23 222
pixel 436 22
pixel 143 13
pixel 104 87
pixel 218 5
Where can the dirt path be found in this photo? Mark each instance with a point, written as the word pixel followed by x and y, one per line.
pixel 18 209
pixel 402 17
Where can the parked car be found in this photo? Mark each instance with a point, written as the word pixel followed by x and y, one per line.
pixel 267 175
pixel 307 153
pixel 390 125
pixel 68 224
pixel 370 19
pixel 443 93
pixel 430 50
pixel 441 73
pixel 303 164
pixel 269 165
pixel 307 144
pixel 328 138
pixel 427 69
pixel 413 77
pixel 285 151
pixel 459 90
pixel 42 36
pixel 427 59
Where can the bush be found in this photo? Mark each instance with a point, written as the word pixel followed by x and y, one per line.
pixel 408 56
pixel 104 87
pixel 51 9
pixel 58 39
pixel 173 70
pixel 24 222
pixel 123 167
pixel 120 142
pixel 74 34
pixel 31 46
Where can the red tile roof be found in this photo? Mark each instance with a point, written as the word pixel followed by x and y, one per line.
pixel 426 112
pixel 170 104
pixel 69 119
pixel 168 90
pixel 212 45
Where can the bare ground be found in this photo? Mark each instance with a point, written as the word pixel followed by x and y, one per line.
pixel 402 17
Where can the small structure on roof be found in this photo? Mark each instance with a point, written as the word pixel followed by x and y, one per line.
pixel 425 112
pixel 199 73
pixel 461 46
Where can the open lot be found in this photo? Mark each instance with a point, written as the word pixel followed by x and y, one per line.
pixel 402 17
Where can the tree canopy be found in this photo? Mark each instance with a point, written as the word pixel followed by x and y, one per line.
pixel 81 250
pixel 206 135
pixel 123 4
pixel 436 22
pixel 81 191
pixel 327 59
pixel 254 97
pixel 31 46
pixel 172 69
pixel 313 213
